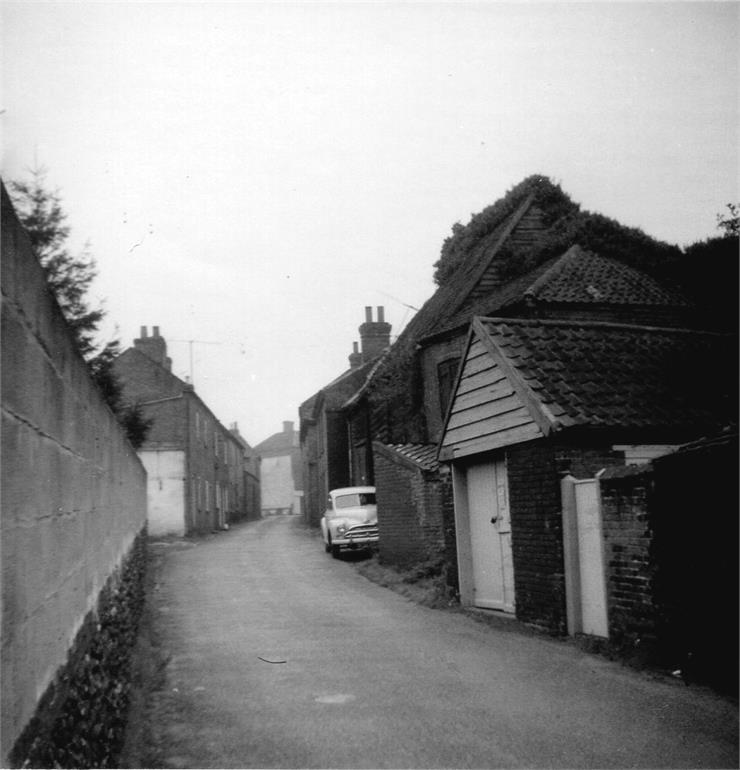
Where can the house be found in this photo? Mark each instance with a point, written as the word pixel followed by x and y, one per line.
pixel 201 475
pixel 281 466
pixel 533 254
pixel 536 258
pixel 539 404
pixel 325 437
pixel 245 478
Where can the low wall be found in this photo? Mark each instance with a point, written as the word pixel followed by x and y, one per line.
pixel 411 506
pixel 74 491
pixel 630 569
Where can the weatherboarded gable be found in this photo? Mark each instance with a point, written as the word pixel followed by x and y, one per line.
pixel 486 412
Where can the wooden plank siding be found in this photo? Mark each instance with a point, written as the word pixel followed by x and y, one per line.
pixel 486 410
pixel 526 232
pixel 504 438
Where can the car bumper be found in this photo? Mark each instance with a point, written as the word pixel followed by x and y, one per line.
pixel 350 539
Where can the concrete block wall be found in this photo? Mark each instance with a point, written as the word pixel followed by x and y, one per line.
pixel 74 491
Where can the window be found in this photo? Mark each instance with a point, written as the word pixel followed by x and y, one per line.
pixel 446 373
pixel 354 500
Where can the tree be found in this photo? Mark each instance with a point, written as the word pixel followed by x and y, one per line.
pixel 730 223
pixel 70 277
pixel 708 272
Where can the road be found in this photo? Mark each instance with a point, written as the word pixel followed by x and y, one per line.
pixel 280 656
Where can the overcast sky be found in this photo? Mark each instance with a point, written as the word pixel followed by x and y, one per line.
pixel 252 175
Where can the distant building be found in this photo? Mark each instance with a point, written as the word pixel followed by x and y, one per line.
pixel 201 475
pixel 337 449
pixel 281 469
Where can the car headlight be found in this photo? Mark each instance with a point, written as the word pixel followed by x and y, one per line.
pixel 341 529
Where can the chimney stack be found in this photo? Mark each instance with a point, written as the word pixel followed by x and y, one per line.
pixel 355 357
pixel 287 426
pixel 375 335
pixel 154 347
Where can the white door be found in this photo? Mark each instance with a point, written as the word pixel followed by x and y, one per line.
pixel 490 536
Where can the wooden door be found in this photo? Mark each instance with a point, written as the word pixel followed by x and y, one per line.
pixel 490 536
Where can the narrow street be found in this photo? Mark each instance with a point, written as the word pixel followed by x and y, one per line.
pixel 278 655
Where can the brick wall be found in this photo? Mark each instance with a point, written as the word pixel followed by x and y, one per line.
pixel 537 543
pixel 337 452
pixel 534 471
pixel 411 509
pixel 627 543
pixel 311 486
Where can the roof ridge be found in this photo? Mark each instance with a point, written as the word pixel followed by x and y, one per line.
pixel 572 252
pixel 478 271
pixel 368 379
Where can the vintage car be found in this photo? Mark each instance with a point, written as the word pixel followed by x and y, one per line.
pixel 351 519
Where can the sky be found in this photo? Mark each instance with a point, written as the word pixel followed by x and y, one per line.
pixel 250 176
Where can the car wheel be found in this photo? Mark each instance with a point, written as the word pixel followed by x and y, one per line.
pixel 327 546
pixel 335 551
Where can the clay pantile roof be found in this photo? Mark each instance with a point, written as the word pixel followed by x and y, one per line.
pixel 621 376
pixel 580 276
pixel 423 455
pixel 576 277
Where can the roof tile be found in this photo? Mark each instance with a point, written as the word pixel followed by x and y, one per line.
pixel 623 376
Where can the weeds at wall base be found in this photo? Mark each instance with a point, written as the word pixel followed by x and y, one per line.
pixel 81 719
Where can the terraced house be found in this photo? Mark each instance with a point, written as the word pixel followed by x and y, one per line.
pixel 201 476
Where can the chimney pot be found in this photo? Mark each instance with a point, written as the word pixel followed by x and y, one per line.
pixel 381 311
pixel 287 426
pixel 155 347
pixel 368 314
pixel 355 347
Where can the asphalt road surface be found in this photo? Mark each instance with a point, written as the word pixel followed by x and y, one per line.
pixel 280 656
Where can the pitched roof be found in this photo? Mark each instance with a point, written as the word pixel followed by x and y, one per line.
pixel 577 277
pixel 613 375
pixel 422 455
pixel 462 285
pixel 511 236
pixel 580 276
pixel 281 443
pixel 336 393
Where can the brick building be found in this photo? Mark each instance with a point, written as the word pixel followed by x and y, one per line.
pixel 539 400
pixel 335 455
pixel 532 255
pixel 281 464
pixel 550 275
pixel 497 276
pixel 201 475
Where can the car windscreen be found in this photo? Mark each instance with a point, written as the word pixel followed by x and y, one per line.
pixel 354 500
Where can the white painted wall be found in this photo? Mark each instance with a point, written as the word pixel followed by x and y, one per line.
pixel 165 490
pixel 277 482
